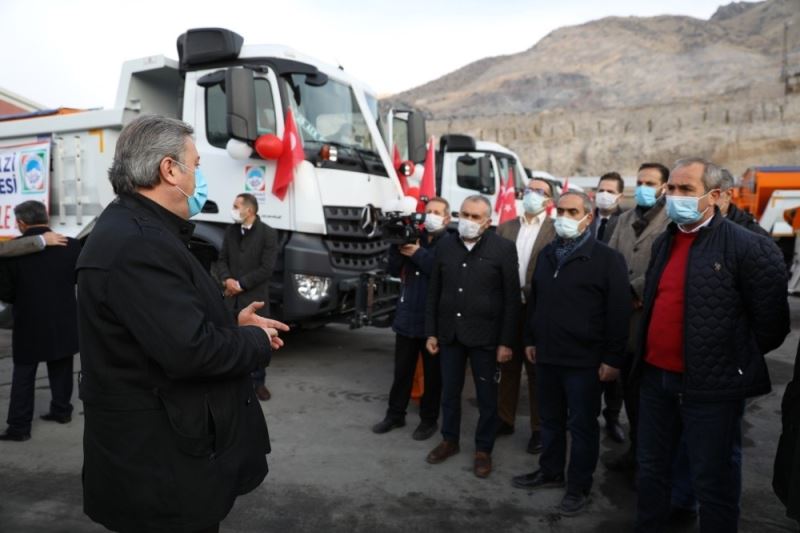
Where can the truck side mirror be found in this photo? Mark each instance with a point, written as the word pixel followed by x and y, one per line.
pixel 240 97
pixel 416 137
pixel 487 174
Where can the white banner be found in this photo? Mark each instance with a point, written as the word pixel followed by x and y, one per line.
pixel 24 175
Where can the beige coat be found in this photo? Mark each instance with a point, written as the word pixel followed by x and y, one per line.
pixel 510 230
pixel 636 251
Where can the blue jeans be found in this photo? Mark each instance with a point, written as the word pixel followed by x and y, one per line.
pixel 569 399
pixel 484 369
pixel 712 431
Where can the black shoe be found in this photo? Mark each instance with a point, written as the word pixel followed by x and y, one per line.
pixel 537 480
pixel 504 429
pixel 388 424
pixel 61 419
pixel 622 463
pixel 614 430
pixel 17 437
pixel 535 444
pixel 573 504
pixel 681 517
pixel 425 430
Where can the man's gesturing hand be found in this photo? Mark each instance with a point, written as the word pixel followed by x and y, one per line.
pixel 530 353
pixel 248 317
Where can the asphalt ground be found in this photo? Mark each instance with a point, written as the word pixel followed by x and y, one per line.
pixel 329 472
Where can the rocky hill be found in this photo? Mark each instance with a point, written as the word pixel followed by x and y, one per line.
pixel 625 69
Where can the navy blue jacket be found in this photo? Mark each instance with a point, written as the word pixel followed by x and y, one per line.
pixel 736 309
pixel 415 272
pixel 578 314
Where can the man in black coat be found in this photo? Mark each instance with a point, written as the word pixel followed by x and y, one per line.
pixel 413 263
pixel 471 313
pixel 245 266
pixel 715 302
pixel 173 432
pixel 576 334
pixel 42 288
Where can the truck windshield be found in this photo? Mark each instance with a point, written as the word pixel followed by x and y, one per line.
pixel 329 114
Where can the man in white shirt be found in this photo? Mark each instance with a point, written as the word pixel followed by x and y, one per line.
pixel 531 232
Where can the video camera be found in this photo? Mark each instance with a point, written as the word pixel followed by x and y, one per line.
pixel 396 227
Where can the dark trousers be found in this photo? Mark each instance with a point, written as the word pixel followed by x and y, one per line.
pixel 712 431
pixel 613 396
pixel 630 392
pixel 406 353
pixel 569 399
pixel 259 376
pixel 23 384
pixel 483 362
pixel 510 380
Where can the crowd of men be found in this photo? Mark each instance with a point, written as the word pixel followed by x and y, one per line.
pixel 667 308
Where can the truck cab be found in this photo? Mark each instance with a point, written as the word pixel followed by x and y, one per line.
pixel 328 268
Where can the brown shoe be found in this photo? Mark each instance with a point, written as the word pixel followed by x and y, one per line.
pixel 483 464
pixel 263 393
pixel 444 450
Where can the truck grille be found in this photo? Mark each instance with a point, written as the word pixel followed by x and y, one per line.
pixel 350 247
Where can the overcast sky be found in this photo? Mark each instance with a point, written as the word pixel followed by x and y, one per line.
pixel 69 52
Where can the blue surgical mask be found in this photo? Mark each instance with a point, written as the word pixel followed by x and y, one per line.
pixel 568 228
pixel 533 202
pixel 197 200
pixel 683 209
pixel 645 196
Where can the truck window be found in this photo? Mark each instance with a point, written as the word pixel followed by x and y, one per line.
pixel 216 129
pixel 471 174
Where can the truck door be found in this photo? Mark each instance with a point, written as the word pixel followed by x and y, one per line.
pixel 227 176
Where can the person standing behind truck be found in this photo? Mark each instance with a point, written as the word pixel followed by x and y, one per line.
pixel 531 233
pixel 42 333
pixel 245 266
pixel 413 264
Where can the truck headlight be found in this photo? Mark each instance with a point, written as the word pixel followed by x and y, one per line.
pixel 313 288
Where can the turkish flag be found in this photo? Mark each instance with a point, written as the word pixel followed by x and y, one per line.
pixel 427 186
pixel 291 156
pixel 506 204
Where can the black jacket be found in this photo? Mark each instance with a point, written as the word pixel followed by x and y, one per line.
pixel 414 272
pixel 736 309
pixel 42 288
pixel 610 225
pixel 249 259
pixel 786 472
pixel 745 219
pixel 578 314
pixel 173 431
pixel 474 296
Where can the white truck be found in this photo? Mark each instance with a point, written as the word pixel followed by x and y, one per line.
pixel 464 166
pixel 328 269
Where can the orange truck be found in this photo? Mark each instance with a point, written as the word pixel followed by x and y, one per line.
pixel 772 195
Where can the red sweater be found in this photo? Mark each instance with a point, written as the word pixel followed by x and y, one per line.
pixel 665 332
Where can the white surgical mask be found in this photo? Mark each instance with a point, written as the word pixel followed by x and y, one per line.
pixel 237 217
pixel 568 228
pixel 606 200
pixel 533 202
pixel 433 222
pixel 468 229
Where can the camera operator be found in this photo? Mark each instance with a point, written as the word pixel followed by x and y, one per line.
pixel 413 263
